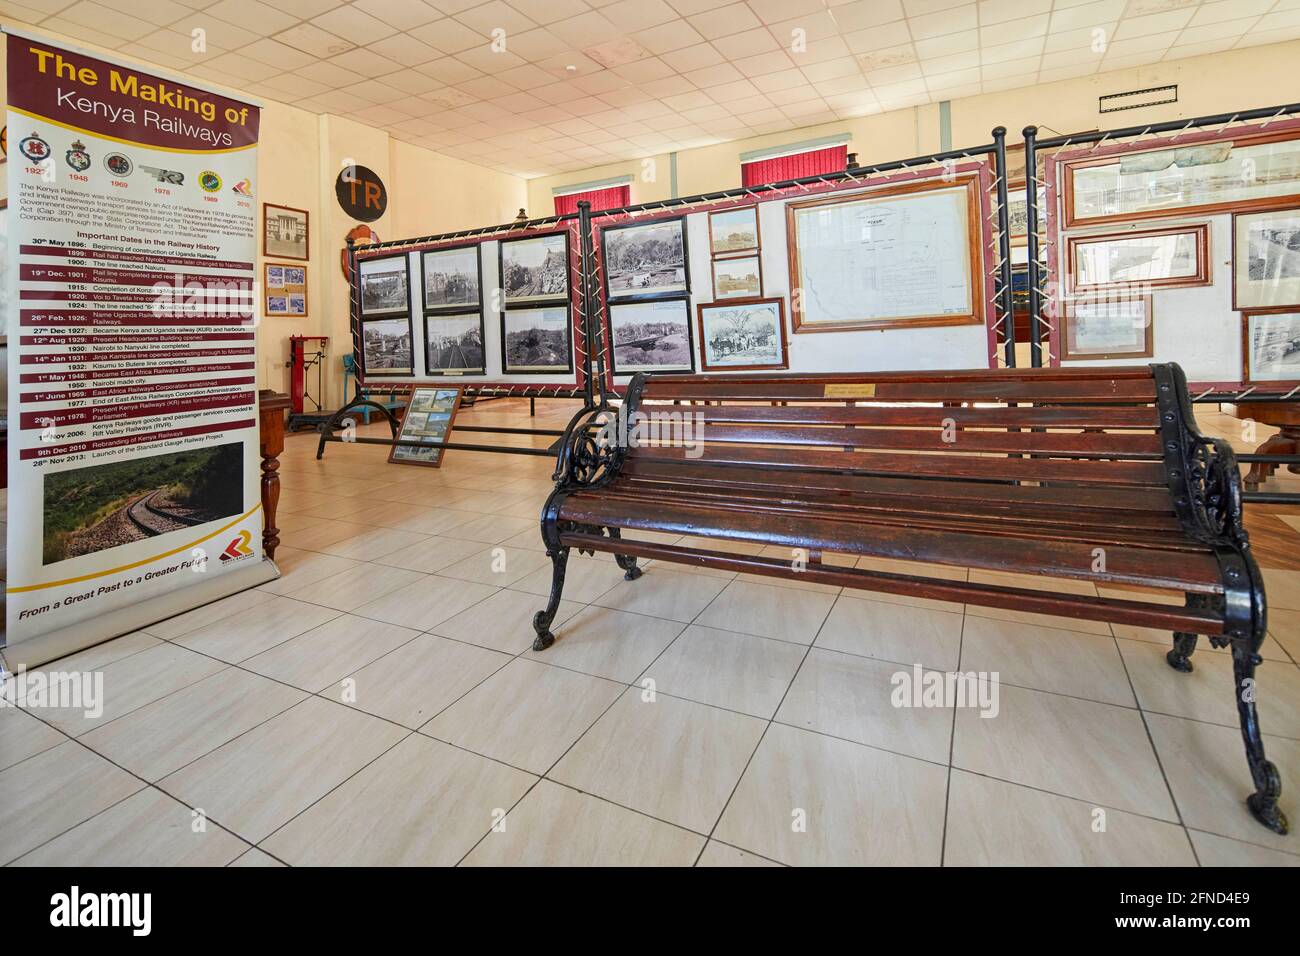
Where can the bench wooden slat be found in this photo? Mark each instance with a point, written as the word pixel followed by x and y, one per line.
pixel 1082 444
pixel 1123 565
pixel 1103 501
pixel 926 416
pixel 1070 393
pixel 947 465
pixel 1082 607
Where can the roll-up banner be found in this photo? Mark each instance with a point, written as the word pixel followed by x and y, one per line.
pixel 133 453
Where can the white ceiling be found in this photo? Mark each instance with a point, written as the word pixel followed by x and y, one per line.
pixel 580 83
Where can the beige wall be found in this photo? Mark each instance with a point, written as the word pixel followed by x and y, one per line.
pixel 299 156
pixel 1215 83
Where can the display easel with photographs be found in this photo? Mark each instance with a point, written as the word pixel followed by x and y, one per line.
pixel 427 422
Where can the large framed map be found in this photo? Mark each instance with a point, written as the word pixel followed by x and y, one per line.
pixel 901 256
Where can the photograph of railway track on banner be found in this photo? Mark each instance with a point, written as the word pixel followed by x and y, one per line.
pixel 133 459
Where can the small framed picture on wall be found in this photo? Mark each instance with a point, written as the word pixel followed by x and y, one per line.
pixel 1266 259
pixel 284 232
pixel 740 277
pixel 1106 327
pixel 1271 346
pixel 284 290
pixel 733 231
pixel 737 336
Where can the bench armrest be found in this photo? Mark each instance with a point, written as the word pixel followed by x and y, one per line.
pixel 587 457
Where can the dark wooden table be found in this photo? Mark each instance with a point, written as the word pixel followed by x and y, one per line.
pixel 271 408
pixel 1284 416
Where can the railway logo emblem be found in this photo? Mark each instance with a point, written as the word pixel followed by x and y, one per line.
pixel 238 547
pixel 34 148
pixel 209 181
pixel 170 176
pixel 244 187
pixel 118 164
pixel 77 157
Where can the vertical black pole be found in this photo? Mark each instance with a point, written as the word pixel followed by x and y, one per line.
pixel 1002 284
pixel 584 297
pixel 591 299
pixel 354 315
pixel 1031 215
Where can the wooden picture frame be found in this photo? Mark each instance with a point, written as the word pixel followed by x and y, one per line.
pixel 663 291
pixel 278 253
pixel 1069 166
pixel 1201 276
pixel 1070 350
pixel 681 303
pixel 782 339
pixel 505 315
pixel 1247 352
pixel 972 312
pixel 530 301
pixel 715 252
pixel 268 291
pixel 731 261
pixel 1285 260
pixel 426 401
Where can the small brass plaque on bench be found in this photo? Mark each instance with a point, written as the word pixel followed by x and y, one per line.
pixel 850 390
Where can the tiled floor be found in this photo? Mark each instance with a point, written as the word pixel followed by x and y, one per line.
pixel 380 703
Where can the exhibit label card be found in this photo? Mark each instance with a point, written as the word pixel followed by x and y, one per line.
pixel 133 454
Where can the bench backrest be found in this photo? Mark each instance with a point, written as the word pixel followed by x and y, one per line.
pixel 1089 427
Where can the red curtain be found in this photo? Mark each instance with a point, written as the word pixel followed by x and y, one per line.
pixel 611 197
pixel 814 162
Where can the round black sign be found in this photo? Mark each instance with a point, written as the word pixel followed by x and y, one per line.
pixel 361 193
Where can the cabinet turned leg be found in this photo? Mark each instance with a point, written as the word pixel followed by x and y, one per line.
pixel 1263 803
pixel 542 619
pixel 625 561
pixel 270 501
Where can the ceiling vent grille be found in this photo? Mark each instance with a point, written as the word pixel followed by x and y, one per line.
pixel 1137 99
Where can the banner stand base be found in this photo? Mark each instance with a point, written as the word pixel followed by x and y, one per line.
pixel 104 627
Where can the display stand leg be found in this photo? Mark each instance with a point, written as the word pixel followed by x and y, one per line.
pixel 271 440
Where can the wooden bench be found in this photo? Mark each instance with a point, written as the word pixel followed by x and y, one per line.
pixel 1096 475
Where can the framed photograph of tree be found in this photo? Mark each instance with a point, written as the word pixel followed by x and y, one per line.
pixel 742 335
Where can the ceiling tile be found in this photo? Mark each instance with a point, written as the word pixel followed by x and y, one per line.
pixel 494 16
pixel 356 25
pixel 399 14
pixel 952 20
pixel 725 21
pixel 312 39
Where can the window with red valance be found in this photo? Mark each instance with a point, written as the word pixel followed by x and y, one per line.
pixel 605 197
pixel 808 162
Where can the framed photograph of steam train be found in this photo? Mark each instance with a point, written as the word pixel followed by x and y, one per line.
pixel 742 336
pixel 452 279
pixel 740 277
pixel 385 286
pixel 651 337
pixel 386 346
pixel 897 257
pixel 1266 259
pixel 1151 259
pixel 453 344
pixel 1246 172
pixel 1109 325
pixel 536 340
pixel 534 269
pixel 1270 346
pixel 733 231
pixel 428 419
pixel 645 260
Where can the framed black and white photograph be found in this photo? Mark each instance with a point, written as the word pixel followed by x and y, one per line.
pixel 1266 259
pixel 385 286
pixel 733 230
pixel 651 337
pixel 536 340
pixel 536 269
pixel 1271 347
pixel 742 335
pixel 452 278
pixel 284 232
pixel 738 278
pixel 1155 259
pixel 1112 326
pixel 453 344
pixel 386 346
pixel 645 260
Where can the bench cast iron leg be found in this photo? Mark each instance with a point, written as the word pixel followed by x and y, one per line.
pixel 1263 803
pixel 1180 658
pixel 542 619
pixel 626 561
